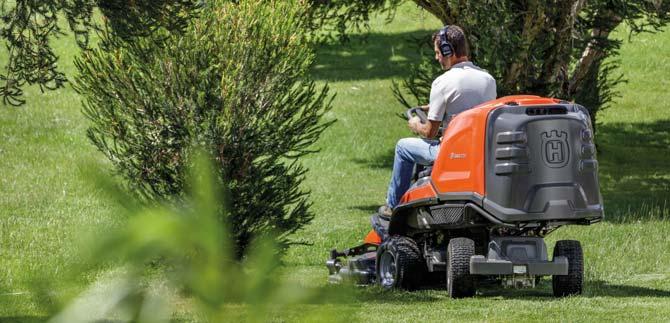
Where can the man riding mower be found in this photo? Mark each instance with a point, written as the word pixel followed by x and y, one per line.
pixel 514 170
pixel 506 173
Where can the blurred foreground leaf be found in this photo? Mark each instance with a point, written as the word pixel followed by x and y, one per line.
pixel 178 254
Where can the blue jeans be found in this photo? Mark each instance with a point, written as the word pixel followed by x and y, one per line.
pixel 409 151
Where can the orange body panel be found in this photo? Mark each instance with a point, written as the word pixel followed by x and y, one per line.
pixel 459 166
pixel 373 238
pixel 422 192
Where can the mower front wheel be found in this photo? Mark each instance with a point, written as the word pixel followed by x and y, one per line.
pixel 570 284
pixel 399 264
pixel 460 283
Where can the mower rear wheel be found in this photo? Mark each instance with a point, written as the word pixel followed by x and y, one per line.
pixel 399 264
pixel 460 283
pixel 570 284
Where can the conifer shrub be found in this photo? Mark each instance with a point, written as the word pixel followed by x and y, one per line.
pixel 234 83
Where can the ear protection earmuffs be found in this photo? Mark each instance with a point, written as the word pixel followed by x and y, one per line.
pixel 446 49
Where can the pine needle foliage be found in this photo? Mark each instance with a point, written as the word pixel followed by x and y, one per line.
pixel 335 17
pixel 30 27
pixel 234 83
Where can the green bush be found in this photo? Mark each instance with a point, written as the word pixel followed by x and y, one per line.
pixel 234 83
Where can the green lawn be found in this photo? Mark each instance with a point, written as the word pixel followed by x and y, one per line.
pixel 46 203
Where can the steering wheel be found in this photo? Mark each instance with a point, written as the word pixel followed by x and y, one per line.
pixel 417 111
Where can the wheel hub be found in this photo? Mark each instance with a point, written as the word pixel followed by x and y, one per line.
pixel 387 270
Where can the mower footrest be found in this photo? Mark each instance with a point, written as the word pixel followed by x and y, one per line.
pixel 479 265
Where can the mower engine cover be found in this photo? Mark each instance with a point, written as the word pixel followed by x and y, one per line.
pixel 541 161
pixel 517 159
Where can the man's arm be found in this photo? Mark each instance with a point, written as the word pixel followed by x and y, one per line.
pixel 427 130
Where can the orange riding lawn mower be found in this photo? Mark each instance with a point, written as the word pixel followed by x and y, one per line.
pixel 509 172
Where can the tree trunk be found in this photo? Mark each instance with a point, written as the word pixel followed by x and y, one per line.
pixel 439 9
pixel 555 66
pixel 594 52
pixel 533 24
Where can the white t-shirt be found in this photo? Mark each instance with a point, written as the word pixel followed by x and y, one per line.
pixel 458 89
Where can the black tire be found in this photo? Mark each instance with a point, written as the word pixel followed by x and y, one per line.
pixel 460 283
pixel 404 256
pixel 570 284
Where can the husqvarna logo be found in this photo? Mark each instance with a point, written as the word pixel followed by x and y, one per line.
pixel 555 149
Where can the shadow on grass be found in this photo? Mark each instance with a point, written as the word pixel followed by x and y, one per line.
pixel 366 208
pixel 635 170
pixel 591 289
pixel 370 56
pixel 542 293
pixel 383 161
pixel 601 288
pixel 376 294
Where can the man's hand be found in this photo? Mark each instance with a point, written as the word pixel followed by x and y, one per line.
pixel 415 125
pixel 427 130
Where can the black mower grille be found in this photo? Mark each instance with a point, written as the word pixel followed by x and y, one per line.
pixel 447 214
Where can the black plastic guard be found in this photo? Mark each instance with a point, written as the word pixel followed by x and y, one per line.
pixel 541 167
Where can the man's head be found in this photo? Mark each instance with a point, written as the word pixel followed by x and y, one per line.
pixel 451 46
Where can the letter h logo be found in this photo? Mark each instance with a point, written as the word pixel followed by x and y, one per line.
pixel 555 149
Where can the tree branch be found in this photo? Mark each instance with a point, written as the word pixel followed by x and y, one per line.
pixel 533 24
pixel 595 50
pixel 439 9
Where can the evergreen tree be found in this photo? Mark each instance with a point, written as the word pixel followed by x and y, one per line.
pixel 234 82
pixel 30 26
